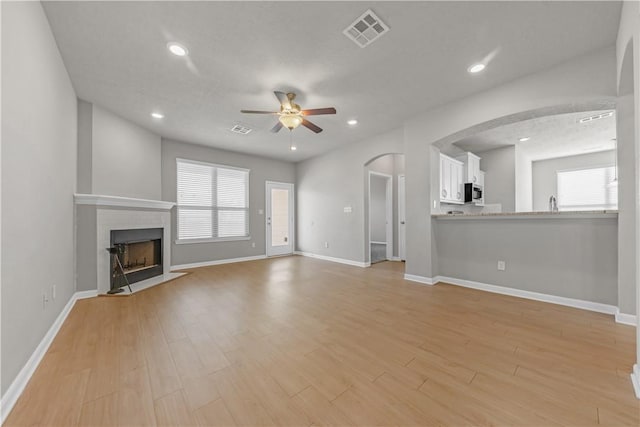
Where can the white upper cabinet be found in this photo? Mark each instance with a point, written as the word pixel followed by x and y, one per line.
pixel 451 180
pixel 472 167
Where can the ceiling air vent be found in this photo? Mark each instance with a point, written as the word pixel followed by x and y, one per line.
pixel 366 29
pixel 596 117
pixel 241 129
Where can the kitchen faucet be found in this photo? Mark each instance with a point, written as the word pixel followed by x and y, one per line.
pixel 553 204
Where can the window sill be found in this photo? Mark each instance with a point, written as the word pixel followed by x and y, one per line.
pixel 217 240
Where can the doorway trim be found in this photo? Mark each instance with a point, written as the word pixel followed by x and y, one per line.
pixel 292 219
pixel 402 218
pixel 388 213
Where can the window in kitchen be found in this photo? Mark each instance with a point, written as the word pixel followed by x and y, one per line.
pixel 588 189
pixel 213 202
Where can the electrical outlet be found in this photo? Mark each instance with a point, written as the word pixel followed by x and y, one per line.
pixel 326 244
pixel 45 300
pixel 435 204
pixel 502 266
pixel 260 212
pixel 253 244
pixel 53 292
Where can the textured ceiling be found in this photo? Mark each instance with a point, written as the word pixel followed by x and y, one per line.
pixel 551 136
pixel 240 52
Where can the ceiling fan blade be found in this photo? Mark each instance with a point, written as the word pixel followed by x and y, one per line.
pixel 276 128
pixel 306 123
pixel 257 112
pixel 283 98
pixel 318 111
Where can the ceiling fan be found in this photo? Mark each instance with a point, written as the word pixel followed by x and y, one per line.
pixel 291 115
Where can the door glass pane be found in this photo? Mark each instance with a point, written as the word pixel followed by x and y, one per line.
pixel 279 217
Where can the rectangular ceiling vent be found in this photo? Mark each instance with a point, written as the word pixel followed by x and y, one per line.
pixel 241 129
pixel 366 29
pixel 596 117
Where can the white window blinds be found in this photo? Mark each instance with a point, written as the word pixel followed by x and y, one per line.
pixel 587 189
pixel 213 201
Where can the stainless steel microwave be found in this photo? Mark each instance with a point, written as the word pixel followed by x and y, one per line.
pixel 472 192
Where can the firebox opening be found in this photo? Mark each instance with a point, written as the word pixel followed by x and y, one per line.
pixel 138 256
pixel 139 252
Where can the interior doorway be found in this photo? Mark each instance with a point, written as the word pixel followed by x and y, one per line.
pixel 279 218
pixel 380 217
pixel 384 208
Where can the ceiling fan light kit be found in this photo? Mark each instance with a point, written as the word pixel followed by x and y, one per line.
pixel 291 115
pixel 290 120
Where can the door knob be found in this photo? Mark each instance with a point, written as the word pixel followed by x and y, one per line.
pixel 402 222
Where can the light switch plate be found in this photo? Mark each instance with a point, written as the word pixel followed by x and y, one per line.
pixel 348 209
pixel 502 266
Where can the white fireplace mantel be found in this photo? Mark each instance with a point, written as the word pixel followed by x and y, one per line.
pixel 121 202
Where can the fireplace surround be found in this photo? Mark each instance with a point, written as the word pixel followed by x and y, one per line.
pixel 98 216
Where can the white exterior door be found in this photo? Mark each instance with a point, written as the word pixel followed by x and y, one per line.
pixel 279 218
pixel 402 242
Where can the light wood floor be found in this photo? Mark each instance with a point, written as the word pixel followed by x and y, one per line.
pixel 296 341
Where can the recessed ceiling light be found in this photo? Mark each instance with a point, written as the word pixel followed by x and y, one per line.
pixel 293 148
pixel 177 49
pixel 352 122
pixel 157 115
pixel 476 68
pixel 524 138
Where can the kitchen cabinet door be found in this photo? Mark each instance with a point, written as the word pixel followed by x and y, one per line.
pixel 460 183
pixel 473 168
pixel 445 179
pixel 451 180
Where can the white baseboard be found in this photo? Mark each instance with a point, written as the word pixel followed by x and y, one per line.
pixel 626 319
pixel 16 388
pixel 635 379
pixel 569 302
pixel 333 259
pixel 419 279
pixel 395 258
pixel 216 262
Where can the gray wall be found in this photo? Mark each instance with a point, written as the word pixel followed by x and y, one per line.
pixel 580 79
pixel 378 209
pixel 125 157
pixel 262 170
pixel 85 149
pixel 327 184
pixel 86 243
pixel 39 143
pixel 524 182
pixel 500 177
pixel 627 190
pixel 544 172
pixel 573 258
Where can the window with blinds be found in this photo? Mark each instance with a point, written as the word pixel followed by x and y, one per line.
pixel 587 189
pixel 213 201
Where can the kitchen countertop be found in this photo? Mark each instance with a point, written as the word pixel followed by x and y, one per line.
pixel 532 215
